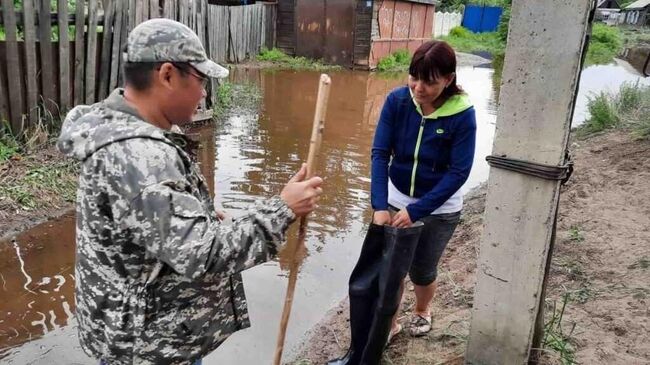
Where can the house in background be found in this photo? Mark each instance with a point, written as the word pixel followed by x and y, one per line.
pixel 637 13
pixel 353 33
pixel 608 11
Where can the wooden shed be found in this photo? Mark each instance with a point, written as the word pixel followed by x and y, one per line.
pixel 353 33
pixel 637 13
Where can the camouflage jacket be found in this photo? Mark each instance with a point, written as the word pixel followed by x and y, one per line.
pixel 157 274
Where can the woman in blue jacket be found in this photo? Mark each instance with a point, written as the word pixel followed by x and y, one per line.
pixel 422 154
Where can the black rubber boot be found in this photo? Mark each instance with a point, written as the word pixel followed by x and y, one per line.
pixel 399 247
pixel 363 292
pixel 374 285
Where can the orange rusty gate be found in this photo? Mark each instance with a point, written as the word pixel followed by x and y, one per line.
pixel 401 25
pixel 353 32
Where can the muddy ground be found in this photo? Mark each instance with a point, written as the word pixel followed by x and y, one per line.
pixel 600 268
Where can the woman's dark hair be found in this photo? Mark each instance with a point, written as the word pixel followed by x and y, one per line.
pixel 432 60
pixel 138 74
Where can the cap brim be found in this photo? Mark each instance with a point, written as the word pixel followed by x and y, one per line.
pixel 211 69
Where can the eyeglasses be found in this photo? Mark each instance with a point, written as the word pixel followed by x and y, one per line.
pixel 203 79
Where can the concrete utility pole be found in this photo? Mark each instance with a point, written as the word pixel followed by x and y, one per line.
pixel 540 78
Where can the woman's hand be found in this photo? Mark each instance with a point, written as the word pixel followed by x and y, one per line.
pixel 402 219
pixel 381 217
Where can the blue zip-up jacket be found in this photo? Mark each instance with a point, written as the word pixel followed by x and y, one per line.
pixel 427 157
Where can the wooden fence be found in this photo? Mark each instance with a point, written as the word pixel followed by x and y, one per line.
pixel 47 65
pixel 443 22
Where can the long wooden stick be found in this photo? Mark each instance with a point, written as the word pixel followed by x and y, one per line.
pixel 314 146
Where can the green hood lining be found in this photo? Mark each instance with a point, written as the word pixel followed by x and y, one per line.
pixel 454 105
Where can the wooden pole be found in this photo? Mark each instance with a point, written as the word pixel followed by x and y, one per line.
pixel 314 146
pixel 540 79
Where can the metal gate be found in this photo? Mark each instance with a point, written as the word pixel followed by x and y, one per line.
pixel 325 30
pixel 481 19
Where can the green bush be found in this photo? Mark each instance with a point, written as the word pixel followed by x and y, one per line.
pixel 603 112
pixel 502 29
pixel 7 149
pixel 629 97
pixel 397 61
pixel 272 55
pixel 224 99
pixel 402 57
pixel 630 107
pixel 603 33
pixel 8 144
pixel 606 42
pixel 460 31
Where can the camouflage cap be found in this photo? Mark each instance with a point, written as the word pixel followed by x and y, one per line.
pixel 166 40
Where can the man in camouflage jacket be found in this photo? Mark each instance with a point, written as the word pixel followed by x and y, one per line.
pixel 157 274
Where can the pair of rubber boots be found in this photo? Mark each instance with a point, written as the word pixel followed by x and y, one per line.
pixel 374 288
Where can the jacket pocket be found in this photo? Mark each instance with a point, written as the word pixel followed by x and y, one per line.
pixel 186 205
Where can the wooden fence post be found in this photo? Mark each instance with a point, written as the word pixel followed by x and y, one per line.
pixel 30 60
pixel 540 79
pixel 123 40
pixel 107 40
pixel 91 52
pixel 116 51
pixel 64 56
pixel 50 100
pixel 79 55
pixel 13 67
pixel 154 9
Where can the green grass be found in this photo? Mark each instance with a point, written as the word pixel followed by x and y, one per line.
pixel 31 182
pixel 635 36
pixel 629 107
pixel 223 99
pixel 573 269
pixel 54 179
pixel 9 145
pixel 555 338
pixel 582 294
pixel 396 62
pixel 282 60
pixel 463 40
pixel 230 95
pixel 605 44
pixel 575 234
pixel 8 149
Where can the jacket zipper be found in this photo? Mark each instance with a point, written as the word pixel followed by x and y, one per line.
pixel 415 157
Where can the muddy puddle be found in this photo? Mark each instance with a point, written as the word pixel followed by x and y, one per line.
pixel 250 155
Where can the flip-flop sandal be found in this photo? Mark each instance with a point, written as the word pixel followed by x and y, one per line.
pixel 393 333
pixel 420 326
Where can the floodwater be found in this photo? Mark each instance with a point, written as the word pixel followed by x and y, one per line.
pixel 249 156
pixel 607 78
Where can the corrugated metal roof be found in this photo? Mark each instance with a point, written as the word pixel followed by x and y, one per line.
pixel 639 4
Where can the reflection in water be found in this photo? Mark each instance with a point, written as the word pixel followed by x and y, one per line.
pixel 204 135
pixel 36 270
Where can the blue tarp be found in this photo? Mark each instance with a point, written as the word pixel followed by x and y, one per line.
pixel 480 19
